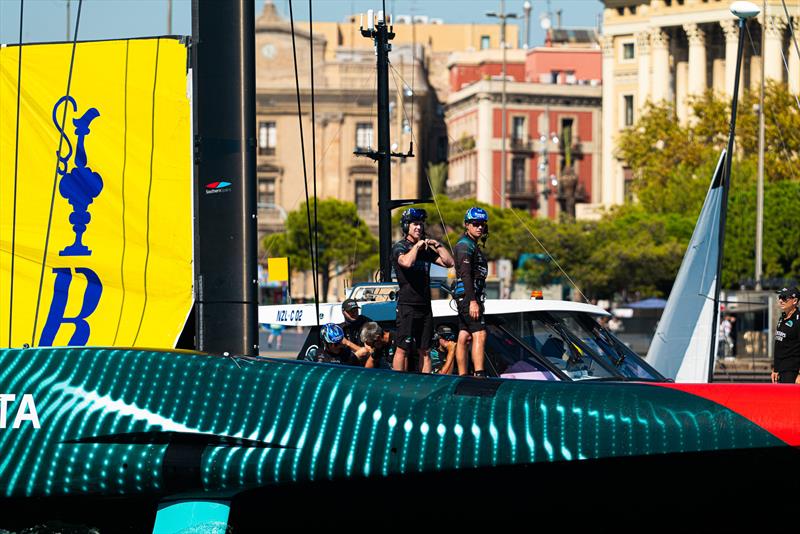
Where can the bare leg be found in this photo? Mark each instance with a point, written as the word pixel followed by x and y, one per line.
pixel 478 343
pixel 400 362
pixel 425 363
pixel 461 352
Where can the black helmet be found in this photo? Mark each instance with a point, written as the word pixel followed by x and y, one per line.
pixel 444 331
pixel 412 215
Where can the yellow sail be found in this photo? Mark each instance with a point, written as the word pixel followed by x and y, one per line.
pixel 118 264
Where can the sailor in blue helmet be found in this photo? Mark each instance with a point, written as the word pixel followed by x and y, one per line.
pixel 471 269
pixel 333 350
pixel 411 258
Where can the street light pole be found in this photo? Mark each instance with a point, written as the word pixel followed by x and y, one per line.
pixel 502 16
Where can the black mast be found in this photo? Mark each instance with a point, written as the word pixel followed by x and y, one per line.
pixel 382 34
pixel 223 73
pixel 726 183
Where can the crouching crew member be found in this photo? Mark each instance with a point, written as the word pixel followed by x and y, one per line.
pixel 333 350
pixel 353 322
pixel 379 344
pixel 443 353
pixel 411 258
pixel 471 269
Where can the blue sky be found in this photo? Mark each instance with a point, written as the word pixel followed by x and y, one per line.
pixel 46 20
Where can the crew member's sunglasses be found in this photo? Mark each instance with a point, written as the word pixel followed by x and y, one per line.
pixel 477 223
pixel 784 297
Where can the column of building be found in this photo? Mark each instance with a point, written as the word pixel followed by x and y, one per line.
pixel 773 47
pixel 794 59
pixel 643 52
pixel 659 42
pixel 610 107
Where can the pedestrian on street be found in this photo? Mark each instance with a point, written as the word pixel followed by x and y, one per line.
pixel 786 364
pixel 411 258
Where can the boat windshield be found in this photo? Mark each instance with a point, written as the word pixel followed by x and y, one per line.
pixel 508 358
pixel 577 345
pixel 551 339
pixel 603 343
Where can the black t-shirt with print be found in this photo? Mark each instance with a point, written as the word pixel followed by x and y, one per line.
pixel 787 343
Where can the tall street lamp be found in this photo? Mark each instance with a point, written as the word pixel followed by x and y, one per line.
pixel 502 16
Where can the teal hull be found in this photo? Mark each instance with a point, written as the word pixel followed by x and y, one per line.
pixel 137 423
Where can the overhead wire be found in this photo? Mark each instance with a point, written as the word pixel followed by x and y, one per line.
pixel 521 221
pixel 149 192
pixel 771 112
pixel 55 174
pixel 303 155
pixel 314 146
pixel 16 174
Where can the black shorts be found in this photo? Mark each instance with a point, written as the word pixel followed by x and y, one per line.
pixel 414 327
pixel 787 377
pixel 465 322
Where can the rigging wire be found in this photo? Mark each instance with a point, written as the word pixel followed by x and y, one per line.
pixel 333 139
pixel 303 155
pixel 521 221
pixel 124 170
pixel 16 174
pixel 314 147
pixel 772 113
pixel 149 191
pixel 55 175
pixel 399 86
pixel 793 39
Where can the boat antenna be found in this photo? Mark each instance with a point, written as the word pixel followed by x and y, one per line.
pixel 743 11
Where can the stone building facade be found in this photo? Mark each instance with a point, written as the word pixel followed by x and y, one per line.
pixel 656 50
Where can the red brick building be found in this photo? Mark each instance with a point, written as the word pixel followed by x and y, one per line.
pixel 553 99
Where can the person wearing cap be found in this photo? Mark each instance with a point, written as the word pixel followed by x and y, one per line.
pixel 411 259
pixel 786 362
pixel 353 321
pixel 471 269
pixel 443 353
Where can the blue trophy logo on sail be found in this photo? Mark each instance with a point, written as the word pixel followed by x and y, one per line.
pixel 80 186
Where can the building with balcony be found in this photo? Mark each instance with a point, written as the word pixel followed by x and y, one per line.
pixel 672 50
pixel 345 101
pixel 552 136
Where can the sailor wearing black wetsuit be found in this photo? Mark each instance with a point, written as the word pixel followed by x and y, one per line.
pixel 411 258
pixel 786 364
pixel 471 269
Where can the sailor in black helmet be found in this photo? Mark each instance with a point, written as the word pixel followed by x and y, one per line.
pixel 471 269
pixel 411 258
pixel 786 364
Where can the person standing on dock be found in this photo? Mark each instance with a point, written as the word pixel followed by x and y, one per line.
pixel 411 258
pixel 786 364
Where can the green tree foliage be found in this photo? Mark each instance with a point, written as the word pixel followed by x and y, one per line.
pixel 635 250
pixel 346 244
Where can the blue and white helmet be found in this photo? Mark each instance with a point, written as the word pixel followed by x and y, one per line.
pixel 476 214
pixel 332 333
